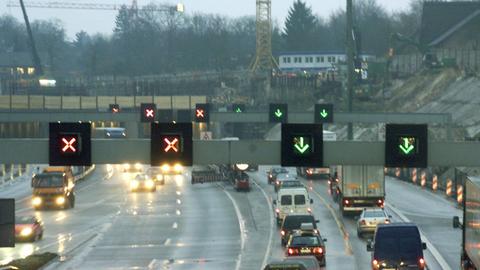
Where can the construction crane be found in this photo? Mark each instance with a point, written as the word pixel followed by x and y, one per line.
pixel 97 6
pixel 33 47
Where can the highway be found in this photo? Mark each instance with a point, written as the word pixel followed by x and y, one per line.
pixel 211 226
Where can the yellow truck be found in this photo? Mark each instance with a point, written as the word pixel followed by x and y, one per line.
pixel 53 188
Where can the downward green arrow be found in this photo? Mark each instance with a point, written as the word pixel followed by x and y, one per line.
pixel 406 147
pixel 324 113
pixel 238 110
pixel 278 113
pixel 301 146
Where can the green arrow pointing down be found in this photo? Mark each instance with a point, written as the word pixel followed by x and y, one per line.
pixel 278 113
pixel 301 147
pixel 406 147
pixel 324 113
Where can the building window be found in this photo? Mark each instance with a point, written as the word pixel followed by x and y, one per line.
pixel 333 59
pixel 322 59
pixel 299 59
pixel 329 59
pixel 318 59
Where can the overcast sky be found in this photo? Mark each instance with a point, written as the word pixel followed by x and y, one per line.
pixel 93 21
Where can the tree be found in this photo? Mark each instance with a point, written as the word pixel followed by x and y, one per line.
pixel 300 25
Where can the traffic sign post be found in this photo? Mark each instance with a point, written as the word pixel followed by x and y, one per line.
pixel 171 144
pixel 323 113
pixel 70 144
pixel 406 146
pixel 7 223
pixel 148 112
pixel 302 145
pixel 278 113
pixel 202 112
pixel 114 108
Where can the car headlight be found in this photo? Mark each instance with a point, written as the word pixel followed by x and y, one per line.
pixel 134 184
pixel 166 168
pixel 149 184
pixel 178 168
pixel 126 166
pixel 36 201
pixel 26 231
pixel 138 166
pixel 159 177
pixel 60 200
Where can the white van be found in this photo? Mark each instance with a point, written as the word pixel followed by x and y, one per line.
pixel 292 201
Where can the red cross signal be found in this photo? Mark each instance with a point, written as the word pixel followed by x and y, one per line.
pixel 171 145
pixel 149 113
pixel 115 110
pixel 69 144
pixel 200 113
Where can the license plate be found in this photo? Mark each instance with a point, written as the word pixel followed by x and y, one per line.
pixel 305 250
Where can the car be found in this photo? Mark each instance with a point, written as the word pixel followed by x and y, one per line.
pixel 293 223
pixel 273 172
pixel 241 181
pixel 282 177
pixel 292 201
pixel 303 243
pixel 172 169
pixel 142 182
pixel 397 245
pixel 155 173
pixel 285 265
pixel 310 262
pixel 369 219
pixel 28 229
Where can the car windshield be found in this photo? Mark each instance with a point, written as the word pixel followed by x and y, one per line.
pixel 294 222
pixel 291 183
pixel 279 170
pixel 47 180
pixel 305 241
pixel 374 214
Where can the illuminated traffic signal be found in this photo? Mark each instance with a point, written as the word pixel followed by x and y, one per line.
pixel 70 144
pixel 302 145
pixel 323 113
pixel 278 113
pixel 238 108
pixel 406 146
pixel 114 108
pixel 202 112
pixel 171 144
pixel 148 112
pixel 7 223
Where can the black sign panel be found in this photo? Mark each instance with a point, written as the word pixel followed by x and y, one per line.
pixel 302 145
pixel 323 113
pixel 202 112
pixel 278 113
pixel 114 108
pixel 148 112
pixel 7 223
pixel 406 146
pixel 70 144
pixel 171 144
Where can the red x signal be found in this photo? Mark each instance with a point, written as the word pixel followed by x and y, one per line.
pixel 149 113
pixel 69 144
pixel 200 113
pixel 115 110
pixel 171 145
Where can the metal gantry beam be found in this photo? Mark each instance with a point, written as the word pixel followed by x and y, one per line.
pixel 35 151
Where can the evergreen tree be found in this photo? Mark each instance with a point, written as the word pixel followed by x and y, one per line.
pixel 300 28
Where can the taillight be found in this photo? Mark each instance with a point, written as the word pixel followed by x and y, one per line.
pixel 282 232
pixel 329 182
pixel 387 221
pixel 363 222
pixel 292 251
pixel 375 264
pixel 421 263
pixel 318 250
pixel 277 182
pixel 315 231
pixel 277 210
pixel 309 210
pixel 346 202
pixel 380 202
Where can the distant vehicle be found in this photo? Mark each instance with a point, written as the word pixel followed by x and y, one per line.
pixel 370 218
pixel 273 172
pixel 397 246
pixel 470 258
pixel 54 187
pixel 292 201
pixel 110 133
pixel 206 174
pixel 131 170
pixel 318 173
pixel 167 169
pixel 284 265
pixel 310 262
pixel 282 177
pixel 142 182
pixel 294 222
pixel 241 181
pixel 28 228
pixel 359 187
pixel 155 173
pixel 307 244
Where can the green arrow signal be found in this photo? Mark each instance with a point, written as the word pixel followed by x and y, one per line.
pixel 301 146
pixel 406 147
pixel 278 113
pixel 324 113
pixel 238 110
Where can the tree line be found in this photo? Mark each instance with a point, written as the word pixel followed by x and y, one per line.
pixel 150 42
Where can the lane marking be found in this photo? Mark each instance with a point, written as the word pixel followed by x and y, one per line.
pixel 341 227
pixel 175 225
pixel 270 235
pixel 167 242
pixel 433 250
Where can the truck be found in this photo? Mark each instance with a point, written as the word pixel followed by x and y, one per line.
pixel 359 187
pixel 318 173
pixel 53 187
pixel 470 254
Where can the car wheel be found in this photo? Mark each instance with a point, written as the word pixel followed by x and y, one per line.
pixel 40 237
pixel 359 234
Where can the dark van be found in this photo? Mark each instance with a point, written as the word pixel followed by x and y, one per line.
pixel 294 222
pixel 397 246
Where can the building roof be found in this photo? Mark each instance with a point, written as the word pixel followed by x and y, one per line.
pixel 442 19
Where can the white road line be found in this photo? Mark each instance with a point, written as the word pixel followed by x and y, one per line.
pixel 438 257
pixel 270 236
pixel 175 225
pixel 242 228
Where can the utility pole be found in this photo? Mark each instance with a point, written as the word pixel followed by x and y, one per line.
pixel 350 56
pixel 36 58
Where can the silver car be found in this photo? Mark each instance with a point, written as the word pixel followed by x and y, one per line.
pixel 369 219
